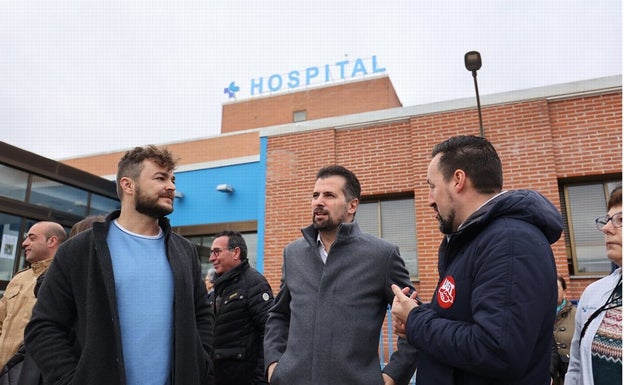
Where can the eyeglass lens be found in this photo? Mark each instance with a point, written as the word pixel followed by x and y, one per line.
pixel 616 220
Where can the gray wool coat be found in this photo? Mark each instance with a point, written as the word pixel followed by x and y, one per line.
pixel 324 325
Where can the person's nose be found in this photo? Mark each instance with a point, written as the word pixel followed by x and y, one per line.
pixel 609 229
pixel 430 200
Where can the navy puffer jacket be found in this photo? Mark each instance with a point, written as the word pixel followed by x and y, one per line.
pixel 491 317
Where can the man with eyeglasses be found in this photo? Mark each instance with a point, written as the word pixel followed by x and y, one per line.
pixel 596 348
pixel 241 299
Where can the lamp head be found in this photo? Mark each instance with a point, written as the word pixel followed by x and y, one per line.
pixel 472 60
pixel 225 188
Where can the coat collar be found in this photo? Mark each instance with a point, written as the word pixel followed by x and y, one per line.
pixel 345 231
pixel 40 266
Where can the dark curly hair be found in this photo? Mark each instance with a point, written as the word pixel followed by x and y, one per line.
pixel 131 164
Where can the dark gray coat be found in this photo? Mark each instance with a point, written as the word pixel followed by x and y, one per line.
pixel 324 326
pixel 79 293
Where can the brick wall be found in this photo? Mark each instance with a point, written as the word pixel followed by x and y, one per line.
pixel 539 142
pixel 322 102
pixel 197 151
pixel 587 133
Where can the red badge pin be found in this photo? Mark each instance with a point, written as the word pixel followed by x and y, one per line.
pixel 446 292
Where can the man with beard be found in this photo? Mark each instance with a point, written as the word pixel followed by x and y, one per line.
pixel 324 326
pixel 491 317
pixel 131 289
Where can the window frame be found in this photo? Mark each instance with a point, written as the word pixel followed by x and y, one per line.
pixel 412 265
pixel 300 116
pixel 575 268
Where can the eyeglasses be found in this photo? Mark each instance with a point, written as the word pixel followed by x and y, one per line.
pixel 217 251
pixel 616 220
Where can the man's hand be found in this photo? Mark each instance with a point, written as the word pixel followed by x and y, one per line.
pixel 402 305
pixel 387 379
pixel 270 370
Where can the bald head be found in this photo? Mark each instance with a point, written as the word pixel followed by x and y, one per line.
pixel 42 241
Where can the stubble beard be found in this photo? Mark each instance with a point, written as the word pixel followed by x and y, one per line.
pixel 328 224
pixel 446 224
pixel 325 225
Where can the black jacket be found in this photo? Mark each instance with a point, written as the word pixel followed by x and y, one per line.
pixel 241 299
pixel 79 294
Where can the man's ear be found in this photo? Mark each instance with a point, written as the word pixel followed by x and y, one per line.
pixel 353 205
pixel 459 177
pixel 53 241
pixel 127 185
pixel 237 252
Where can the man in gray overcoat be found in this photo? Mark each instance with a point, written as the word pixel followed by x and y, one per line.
pixel 324 326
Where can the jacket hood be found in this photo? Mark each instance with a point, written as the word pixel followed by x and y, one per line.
pixel 525 205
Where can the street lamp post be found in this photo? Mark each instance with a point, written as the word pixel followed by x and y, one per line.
pixel 472 60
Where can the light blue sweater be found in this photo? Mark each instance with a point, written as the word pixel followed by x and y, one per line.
pixel 144 289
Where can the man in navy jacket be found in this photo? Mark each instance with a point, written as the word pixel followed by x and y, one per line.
pixel 491 317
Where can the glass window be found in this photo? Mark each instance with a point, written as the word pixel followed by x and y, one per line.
pixel 203 244
pixel 300 116
pixel 13 183
pixel 101 205
pixel 58 196
pixel 583 204
pixel 394 221
pixel 251 239
pixel 9 247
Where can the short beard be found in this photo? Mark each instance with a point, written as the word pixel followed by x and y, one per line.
pixel 325 226
pixel 150 207
pixel 330 224
pixel 446 224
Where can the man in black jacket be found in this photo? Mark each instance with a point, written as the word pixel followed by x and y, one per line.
pixel 132 291
pixel 241 299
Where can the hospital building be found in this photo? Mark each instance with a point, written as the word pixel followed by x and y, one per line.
pixel 257 175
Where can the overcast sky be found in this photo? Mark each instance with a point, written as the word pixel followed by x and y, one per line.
pixel 86 77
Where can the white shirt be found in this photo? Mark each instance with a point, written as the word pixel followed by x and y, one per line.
pixel 321 248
